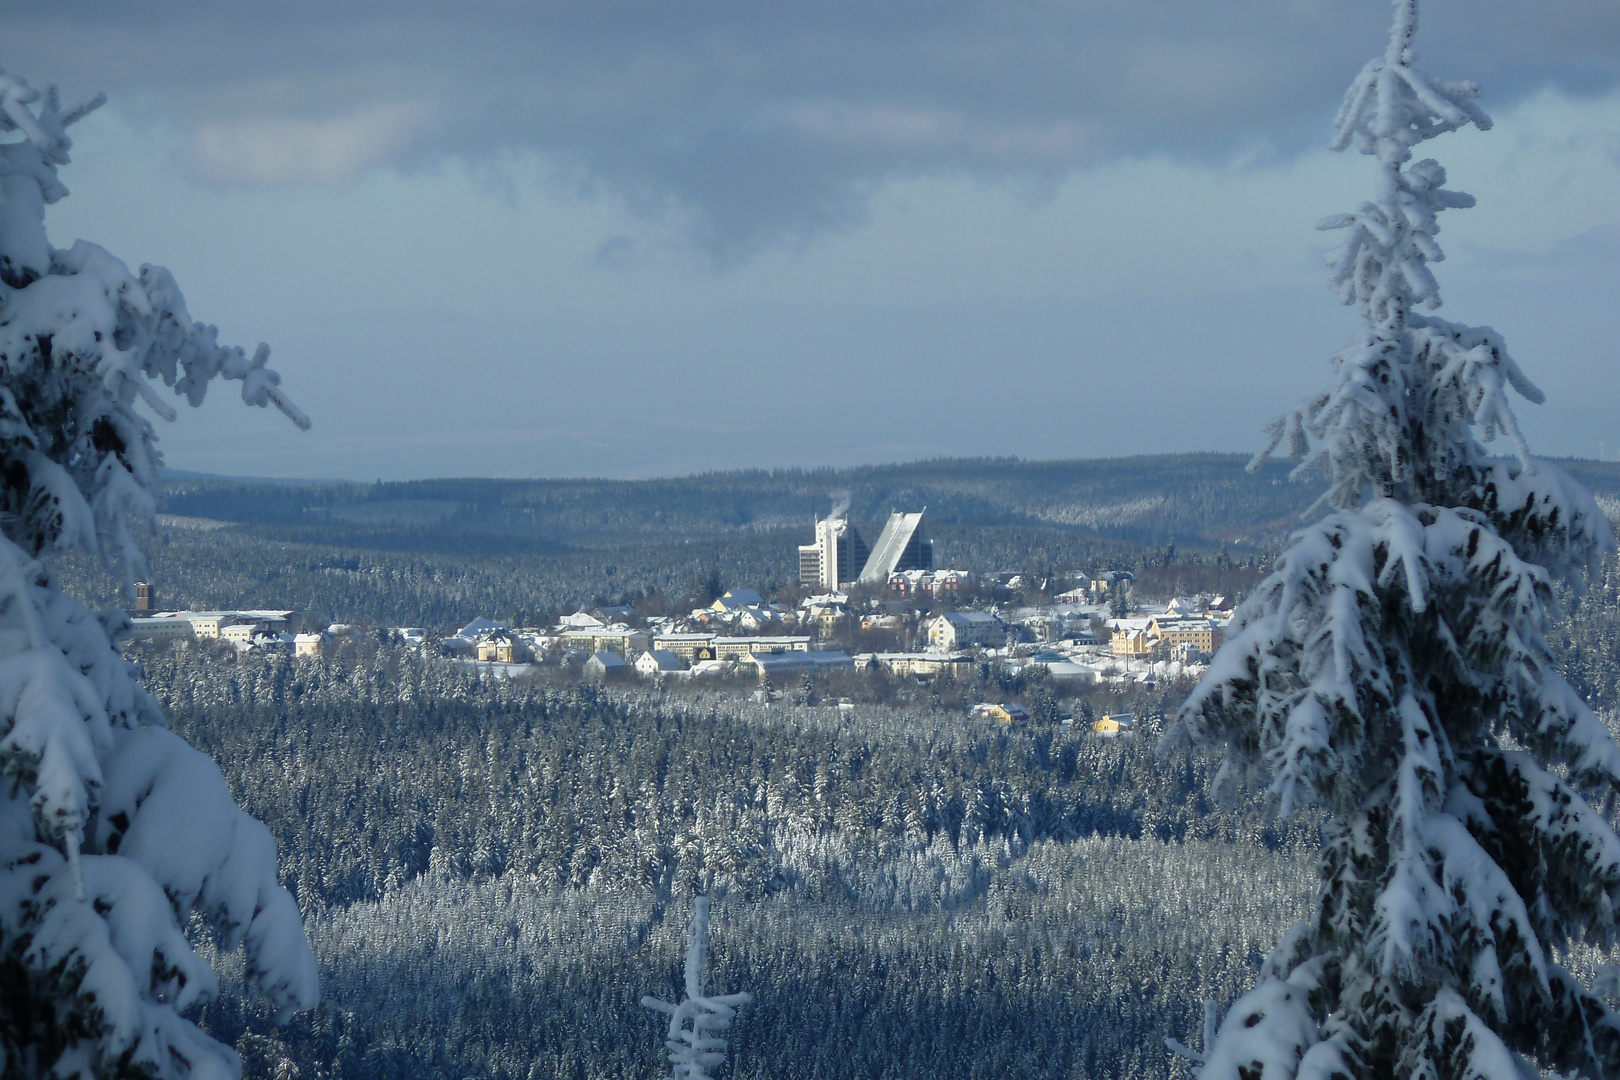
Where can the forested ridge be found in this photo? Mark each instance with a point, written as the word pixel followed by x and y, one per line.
pixel 1142 500
pixel 1193 499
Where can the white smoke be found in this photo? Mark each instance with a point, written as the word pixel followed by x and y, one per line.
pixel 840 505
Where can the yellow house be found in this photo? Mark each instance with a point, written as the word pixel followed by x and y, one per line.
pixel 1132 642
pixel 1114 724
pixel 1002 714
pixel 502 649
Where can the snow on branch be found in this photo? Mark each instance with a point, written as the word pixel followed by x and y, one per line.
pixel 82 337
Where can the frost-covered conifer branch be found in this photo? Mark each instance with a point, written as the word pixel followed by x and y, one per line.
pixel 697 1025
pixel 113 832
pixel 82 338
pixel 1393 668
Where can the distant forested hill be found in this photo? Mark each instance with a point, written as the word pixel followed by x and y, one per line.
pixel 438 552
pixel 1193 499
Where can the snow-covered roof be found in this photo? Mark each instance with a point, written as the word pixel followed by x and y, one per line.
pixel 478 627
pixel 738 598
pixel 1130 624
pixel 799 661
pixel 969 618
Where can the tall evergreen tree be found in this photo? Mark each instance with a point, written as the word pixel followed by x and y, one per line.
pixel 114 834
pixel 1393 669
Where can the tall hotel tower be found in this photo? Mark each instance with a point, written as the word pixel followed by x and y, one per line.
pixel 837 557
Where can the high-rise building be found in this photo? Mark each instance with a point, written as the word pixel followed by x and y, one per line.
pixel 836 557
pixel 901 546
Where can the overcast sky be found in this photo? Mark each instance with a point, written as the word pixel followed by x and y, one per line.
pixel 648 237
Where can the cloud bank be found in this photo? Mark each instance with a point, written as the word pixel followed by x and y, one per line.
pixel 748 125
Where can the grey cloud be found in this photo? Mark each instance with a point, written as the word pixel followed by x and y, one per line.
pixel 746 124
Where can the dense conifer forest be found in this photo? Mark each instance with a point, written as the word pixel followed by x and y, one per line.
pixel 510 866
pixel 494 871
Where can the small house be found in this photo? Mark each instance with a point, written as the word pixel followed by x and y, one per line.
pixel 656 662
pixel 1114 725
pixel 605 665
pixel 1005 713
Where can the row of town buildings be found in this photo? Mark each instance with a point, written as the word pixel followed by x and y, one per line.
pixel 1187 625
pixel 245 629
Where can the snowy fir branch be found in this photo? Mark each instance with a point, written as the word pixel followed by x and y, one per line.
pixel 1394 670
pixel 81 340
pixel 114 834
pixel 698 1024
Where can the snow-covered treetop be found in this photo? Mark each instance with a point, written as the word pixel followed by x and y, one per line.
pixel 1390 108
pixel 695 1039
pixel 1417 397
pixel 81 338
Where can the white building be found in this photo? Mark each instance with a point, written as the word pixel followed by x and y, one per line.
pixel 242 634
pixel 211 625
pixel 758 618
pixel 655 662
pixel 837 556
pixel 161 628
pixel 965 629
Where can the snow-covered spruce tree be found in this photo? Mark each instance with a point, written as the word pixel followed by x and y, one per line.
pixel 115 836
pixel 697 1025
pixel 1393 670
